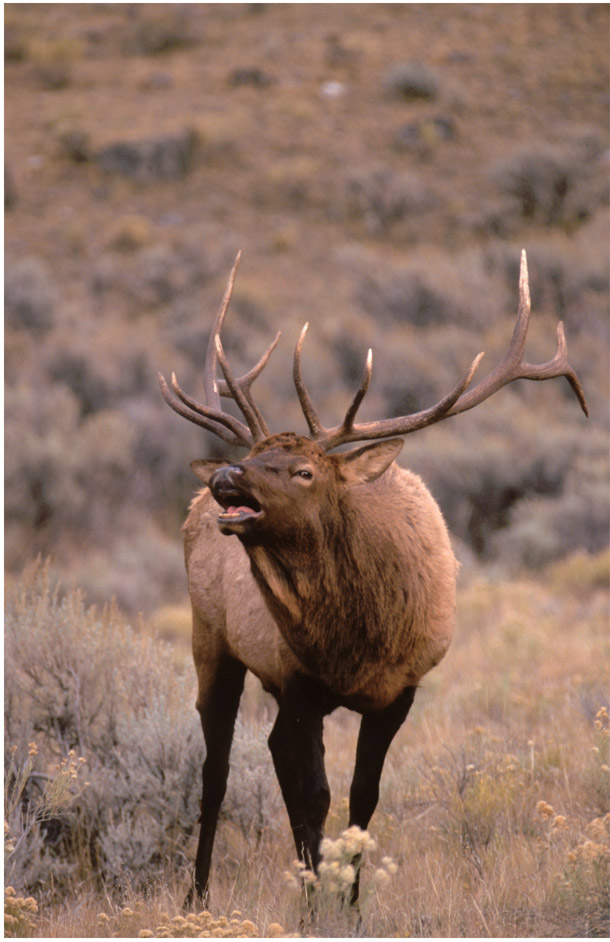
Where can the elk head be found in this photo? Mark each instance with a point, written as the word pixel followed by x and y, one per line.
pixel 271 491
pixel 301 463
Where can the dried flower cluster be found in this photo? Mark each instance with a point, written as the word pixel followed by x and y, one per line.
pixel 556 822
pixel 18 914
pixel 338 869
pixel 202 925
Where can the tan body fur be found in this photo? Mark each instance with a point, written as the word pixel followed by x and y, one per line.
pixel 231 617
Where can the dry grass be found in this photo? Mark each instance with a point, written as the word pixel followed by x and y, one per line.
pixel 494 805
pixel 495 793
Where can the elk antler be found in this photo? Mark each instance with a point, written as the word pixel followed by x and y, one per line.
pixel 211 416
pixel 512 367
pixel 233 431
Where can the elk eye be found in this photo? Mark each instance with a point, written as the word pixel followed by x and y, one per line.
pixel 305 474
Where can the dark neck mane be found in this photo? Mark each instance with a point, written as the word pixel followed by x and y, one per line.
pixel 336 605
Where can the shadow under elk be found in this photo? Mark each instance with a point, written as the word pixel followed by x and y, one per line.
pixel 336 587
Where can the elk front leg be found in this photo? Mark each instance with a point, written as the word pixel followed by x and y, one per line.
pixel 218 707
pixel 377 730
pixel 297 747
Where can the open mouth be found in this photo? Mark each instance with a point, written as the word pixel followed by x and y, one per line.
pixel 238 510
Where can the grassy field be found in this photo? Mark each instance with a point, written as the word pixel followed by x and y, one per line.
pixel 381 166
pixel 495 799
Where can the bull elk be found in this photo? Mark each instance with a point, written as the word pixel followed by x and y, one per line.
pixel 337 586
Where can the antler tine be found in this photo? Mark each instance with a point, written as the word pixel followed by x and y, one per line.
pixel 336 436
pixel 511 367
pixel 249 411
pixel 211 416
pixel 210 383
pixel 350 415
pixel 517 343
pixel 406 423
pixel 231 387
pixel 570 375
pixel 231 436
pixel 315 426
pixel 222 418
pixel 245 382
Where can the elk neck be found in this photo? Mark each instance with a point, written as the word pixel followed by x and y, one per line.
pixel 337 589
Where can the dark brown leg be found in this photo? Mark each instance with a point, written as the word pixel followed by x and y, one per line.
pixel 297 747
pixel 218 714
pixel 377 731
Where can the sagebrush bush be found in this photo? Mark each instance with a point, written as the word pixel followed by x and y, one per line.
pixel 543 181
pixel 382 198
pixel 55 471
pixel 253 801
pixel 541 530
pixel 431 289
pixel 103 748
pixel 164 157
pixel 121 367
pixel 31 297
pixel 78 681
pixel 156 29
pixel 563 278
pixel 53 61
pixel 412 80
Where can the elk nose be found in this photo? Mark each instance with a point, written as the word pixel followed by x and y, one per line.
pixel 224 477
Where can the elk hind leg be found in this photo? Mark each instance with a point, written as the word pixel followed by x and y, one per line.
pixel 218 707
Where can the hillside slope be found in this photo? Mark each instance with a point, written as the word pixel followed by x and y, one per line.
pixel 380 166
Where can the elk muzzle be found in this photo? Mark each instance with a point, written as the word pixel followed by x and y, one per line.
pixel 240 509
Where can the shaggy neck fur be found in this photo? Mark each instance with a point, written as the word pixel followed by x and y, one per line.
pixel 338 593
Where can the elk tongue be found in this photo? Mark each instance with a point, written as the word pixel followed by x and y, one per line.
pixel 239 510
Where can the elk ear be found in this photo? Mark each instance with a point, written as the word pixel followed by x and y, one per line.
pixel 370 461
pixel 204 467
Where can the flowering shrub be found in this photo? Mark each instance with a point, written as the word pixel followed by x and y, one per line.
pixel 19 914
pixel 86 697
pixel 338 869
pixel 202 925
